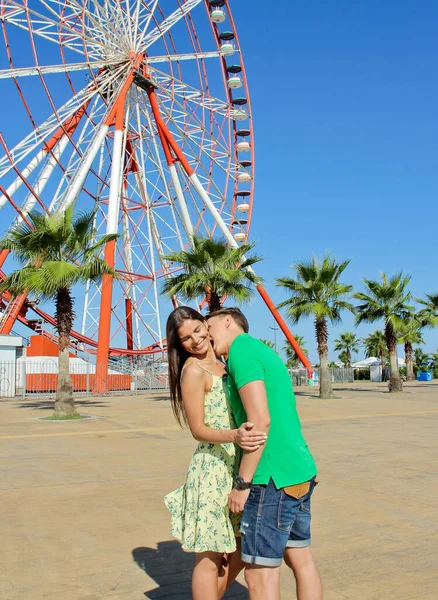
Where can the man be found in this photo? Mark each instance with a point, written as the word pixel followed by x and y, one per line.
pixel 276 481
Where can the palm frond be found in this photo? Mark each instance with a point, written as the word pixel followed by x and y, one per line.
pixel 212 264
pixel 50 248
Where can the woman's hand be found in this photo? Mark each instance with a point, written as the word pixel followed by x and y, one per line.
pixel 247 439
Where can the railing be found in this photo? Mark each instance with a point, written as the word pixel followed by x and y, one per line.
pixel 337 375
pixel 26 377
pixel 299 377
pixel 342 375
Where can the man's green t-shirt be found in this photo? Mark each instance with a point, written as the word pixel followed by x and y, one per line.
pixel 286 457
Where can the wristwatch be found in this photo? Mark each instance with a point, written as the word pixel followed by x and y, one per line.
pixel 240 484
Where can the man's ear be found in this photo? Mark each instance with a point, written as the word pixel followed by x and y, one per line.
pixel 228 321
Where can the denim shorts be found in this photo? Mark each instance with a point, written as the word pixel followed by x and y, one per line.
pixel 273 521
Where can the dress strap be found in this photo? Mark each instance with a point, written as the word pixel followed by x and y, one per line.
pixel 199 365
pixel 209 372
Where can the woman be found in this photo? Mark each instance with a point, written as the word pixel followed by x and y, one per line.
pixel 199 510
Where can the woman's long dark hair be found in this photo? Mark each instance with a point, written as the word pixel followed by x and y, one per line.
pixel 177 356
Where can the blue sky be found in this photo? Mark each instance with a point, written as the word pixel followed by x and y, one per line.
pixel 344 99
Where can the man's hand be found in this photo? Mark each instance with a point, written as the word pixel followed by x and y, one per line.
pixel 249 440
pixel 237 500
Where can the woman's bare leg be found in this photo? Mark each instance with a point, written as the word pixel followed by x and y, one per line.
pixel 231 568
pixel 205 576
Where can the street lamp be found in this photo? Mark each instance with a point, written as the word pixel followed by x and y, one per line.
pixel 274 329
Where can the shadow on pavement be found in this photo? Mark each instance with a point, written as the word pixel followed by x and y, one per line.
pixel 159 397
pixel 171 568
pixel 50 404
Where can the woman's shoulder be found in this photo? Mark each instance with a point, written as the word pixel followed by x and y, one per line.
pixel 192 370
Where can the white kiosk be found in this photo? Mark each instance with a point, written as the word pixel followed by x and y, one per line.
pixel 8 364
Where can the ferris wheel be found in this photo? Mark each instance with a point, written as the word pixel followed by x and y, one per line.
pixel 139 110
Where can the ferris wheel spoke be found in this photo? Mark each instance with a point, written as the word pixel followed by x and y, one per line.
pixel 76 157
pixel 43 132
pixel 221 160
pixel 116 22
pixel 53 149
pixel 171 85
pixel 179 57
pixel 143 24
pixel 42 180
pixel 141 181
pixel 155 156
pixel 41 25
pixel 52 69
pixel 217 154
pixel 205 197
pixel 76 183
pixel 161 29
pixel 194 180
pixel 188 131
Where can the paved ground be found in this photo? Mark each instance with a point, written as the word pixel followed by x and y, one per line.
pixel 82 517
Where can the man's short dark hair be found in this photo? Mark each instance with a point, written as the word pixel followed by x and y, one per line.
pixel 233 312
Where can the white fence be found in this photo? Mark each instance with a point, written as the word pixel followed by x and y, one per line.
pixel 338 375
pixel 27 376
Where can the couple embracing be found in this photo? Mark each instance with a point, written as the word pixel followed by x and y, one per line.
pixel 246 500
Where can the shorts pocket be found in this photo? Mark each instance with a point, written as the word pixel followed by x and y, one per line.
pixel 305 508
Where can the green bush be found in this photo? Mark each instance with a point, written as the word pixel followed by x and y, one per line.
pixel 362 374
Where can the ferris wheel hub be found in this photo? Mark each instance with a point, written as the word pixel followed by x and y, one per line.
pixel 145 83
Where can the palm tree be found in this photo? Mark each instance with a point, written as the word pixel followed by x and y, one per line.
pixel 292 358
pixel 387 300
pixel 215 270
pixel 410 333
pixel 317 292
pixel 421 359
pixel 57 251
pixel 429 314
pixel 434 363
pixel 343 358
pixel 375 345
pixel 349 343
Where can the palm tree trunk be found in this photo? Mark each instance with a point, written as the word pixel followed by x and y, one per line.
pixel 325 385
pixel 409 363
pixel 382 365
pixel 64 404
pixel 348 358
pixel 395 382
pixel 213 301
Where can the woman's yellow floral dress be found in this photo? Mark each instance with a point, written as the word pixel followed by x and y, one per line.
pixel 199 509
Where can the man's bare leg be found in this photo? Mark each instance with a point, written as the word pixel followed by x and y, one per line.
pixel 263 582
pixel 308 580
